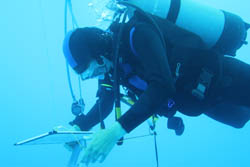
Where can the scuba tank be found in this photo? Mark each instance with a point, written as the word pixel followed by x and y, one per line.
pixel 221 31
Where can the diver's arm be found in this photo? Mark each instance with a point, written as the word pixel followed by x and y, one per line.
pixel 152 55
pixel 106 102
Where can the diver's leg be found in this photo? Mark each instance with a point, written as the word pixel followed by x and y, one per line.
pixel 230 114
pixel 234 90
pixel 236 82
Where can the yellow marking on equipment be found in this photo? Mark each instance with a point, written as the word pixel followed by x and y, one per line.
pixel 118 112
pixel 130 101
pixel 107 85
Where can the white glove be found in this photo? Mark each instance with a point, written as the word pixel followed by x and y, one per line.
pixel 102 143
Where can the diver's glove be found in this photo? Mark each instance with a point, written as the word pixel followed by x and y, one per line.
pixel 102 143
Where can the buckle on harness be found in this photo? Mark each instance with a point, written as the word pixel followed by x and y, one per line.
pixel 177 72
pixel 204 82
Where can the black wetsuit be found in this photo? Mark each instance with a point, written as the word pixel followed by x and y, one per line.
pixel 227 99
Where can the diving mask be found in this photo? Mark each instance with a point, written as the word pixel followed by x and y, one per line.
pixel 96 70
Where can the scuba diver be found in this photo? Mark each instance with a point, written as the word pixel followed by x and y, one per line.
pixel 165 69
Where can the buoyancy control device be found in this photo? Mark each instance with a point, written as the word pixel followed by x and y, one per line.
pixel 222 32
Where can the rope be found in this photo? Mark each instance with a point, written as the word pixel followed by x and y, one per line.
pixel 156 150
pixel 136 137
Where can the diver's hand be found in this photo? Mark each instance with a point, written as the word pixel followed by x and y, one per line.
pixel 102 143
pixel 70 145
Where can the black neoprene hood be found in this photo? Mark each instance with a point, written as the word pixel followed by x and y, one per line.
pixel 87 44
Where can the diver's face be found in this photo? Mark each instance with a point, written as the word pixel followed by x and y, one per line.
pixel 97 69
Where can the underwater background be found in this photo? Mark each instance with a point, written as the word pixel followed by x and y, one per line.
pixel 35 96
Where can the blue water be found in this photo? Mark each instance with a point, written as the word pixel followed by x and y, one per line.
pixel 35 97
